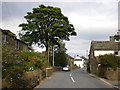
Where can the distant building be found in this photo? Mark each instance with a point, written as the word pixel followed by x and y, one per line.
pixel 70 61
pixel 101 48
pixel 79 61
pixel 116 37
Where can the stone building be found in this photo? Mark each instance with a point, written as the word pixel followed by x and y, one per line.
pixel 10 39
pixel 100 48
pixel 70 61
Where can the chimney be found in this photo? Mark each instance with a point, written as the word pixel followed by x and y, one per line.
pixel 111 38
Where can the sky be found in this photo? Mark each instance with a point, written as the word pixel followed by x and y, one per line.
pixel 92 19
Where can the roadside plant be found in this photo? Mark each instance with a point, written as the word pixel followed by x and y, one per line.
pixel 30 60
pixel 110 60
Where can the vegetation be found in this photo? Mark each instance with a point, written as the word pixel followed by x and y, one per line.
pixel 15 63
pixel 109 60
pixel 60 56
pixel 31 60
pixel 45 26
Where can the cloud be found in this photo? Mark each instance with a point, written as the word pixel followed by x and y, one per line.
pixel 12 24
pixel 0 14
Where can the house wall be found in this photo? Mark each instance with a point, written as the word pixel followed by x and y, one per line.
pixel 0 59
pixel 15 43
pixel 118 53
pixel 100 48
pixel 102 52
pixel 22 46
pixel 92 61
pixel 79 63
pixel 71 62
pixel 93 66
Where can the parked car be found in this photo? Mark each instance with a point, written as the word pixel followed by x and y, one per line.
pixel 67 68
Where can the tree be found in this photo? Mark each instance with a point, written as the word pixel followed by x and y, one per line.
pixel 45 26
pixel 60 55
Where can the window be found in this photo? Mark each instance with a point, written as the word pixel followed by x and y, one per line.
pixel 116 53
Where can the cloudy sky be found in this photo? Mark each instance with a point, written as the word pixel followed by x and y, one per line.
pixel 92 20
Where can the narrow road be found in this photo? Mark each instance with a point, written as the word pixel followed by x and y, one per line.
pixel 72 79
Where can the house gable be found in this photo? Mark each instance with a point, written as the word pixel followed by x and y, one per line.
pixel 100 48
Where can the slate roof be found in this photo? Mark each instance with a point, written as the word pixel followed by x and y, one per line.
pixel 105 45
pixel 8 32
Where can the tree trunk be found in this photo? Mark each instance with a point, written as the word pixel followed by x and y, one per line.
pixel 47 51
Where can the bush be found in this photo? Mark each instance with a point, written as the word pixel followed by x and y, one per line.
pixel 109 60
pixel 15 63
pixel 106 61
pixel 31 60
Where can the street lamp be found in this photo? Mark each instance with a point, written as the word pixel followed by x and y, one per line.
pixel 53 56
pixel 54 46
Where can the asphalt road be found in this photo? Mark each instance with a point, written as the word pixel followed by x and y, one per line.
pixel 72 79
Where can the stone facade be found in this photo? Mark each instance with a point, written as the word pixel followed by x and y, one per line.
pixel 70 61
pixel 0 58
pixel 8 38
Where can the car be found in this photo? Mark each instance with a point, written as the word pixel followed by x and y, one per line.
pixel 67 68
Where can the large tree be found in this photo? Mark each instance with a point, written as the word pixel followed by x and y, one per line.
pixel 45 26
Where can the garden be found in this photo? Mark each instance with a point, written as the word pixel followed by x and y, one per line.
pixel 16 63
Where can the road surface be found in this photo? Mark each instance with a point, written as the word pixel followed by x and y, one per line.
pixel 72 79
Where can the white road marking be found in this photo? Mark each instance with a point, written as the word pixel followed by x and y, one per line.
pixel 72 79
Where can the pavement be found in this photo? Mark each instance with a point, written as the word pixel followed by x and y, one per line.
pixel 75 79
pixel 114 84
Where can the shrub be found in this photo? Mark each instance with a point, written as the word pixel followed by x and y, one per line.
pixel 15 63
pixel 109 60
pixel 31 60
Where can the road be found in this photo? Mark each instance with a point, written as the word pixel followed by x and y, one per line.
pixel 72 79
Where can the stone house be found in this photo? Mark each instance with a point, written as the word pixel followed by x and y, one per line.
pixel 100 48
pixel 70 61
pixel 9 39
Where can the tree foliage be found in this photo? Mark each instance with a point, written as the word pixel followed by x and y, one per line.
pixel 61 56
pixel 46 25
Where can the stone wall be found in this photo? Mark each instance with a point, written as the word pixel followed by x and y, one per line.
pixel 30 79
pixel 113 74
pixel 55 68
pixel 49 71
pixel 109 73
